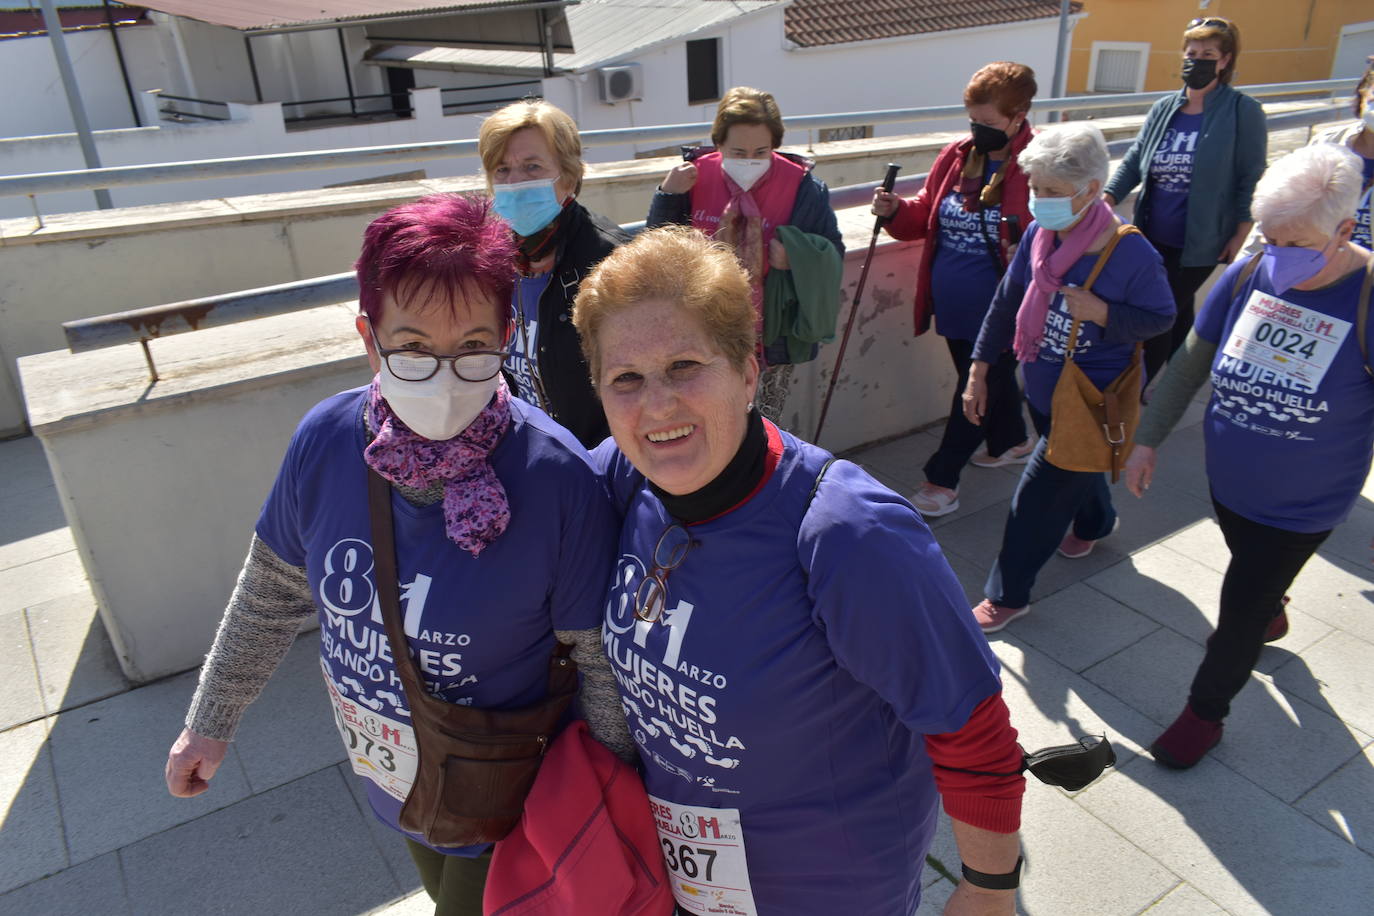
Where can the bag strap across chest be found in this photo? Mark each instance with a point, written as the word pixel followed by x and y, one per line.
pixel 1122 231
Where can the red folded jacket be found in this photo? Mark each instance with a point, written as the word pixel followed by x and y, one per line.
pixel 586 845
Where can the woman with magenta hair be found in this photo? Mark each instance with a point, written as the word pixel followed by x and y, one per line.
pixel 484 490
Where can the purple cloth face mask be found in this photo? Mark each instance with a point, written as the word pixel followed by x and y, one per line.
pixel 1289 266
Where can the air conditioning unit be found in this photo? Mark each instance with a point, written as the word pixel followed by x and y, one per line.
pixel 620 84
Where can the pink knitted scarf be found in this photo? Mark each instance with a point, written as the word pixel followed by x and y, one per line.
pixel 476 510
pixel 1048 267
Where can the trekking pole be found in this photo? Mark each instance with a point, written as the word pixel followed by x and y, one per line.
pixel 888 182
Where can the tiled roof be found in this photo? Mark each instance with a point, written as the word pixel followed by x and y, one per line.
pixel 813 23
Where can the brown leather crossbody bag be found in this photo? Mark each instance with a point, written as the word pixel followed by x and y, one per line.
pixel 475 765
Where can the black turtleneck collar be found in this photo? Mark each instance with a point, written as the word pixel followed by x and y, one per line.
pixel 731 487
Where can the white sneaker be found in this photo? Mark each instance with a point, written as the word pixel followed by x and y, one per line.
pixel 935 501
pixel 1018 454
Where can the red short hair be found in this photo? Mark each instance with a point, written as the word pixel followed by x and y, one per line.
pixel 446 246
pixel 1008 85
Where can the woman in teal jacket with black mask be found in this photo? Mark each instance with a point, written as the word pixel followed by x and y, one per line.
pixel 1198 156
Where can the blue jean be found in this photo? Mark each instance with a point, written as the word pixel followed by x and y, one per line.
pixel 1047 500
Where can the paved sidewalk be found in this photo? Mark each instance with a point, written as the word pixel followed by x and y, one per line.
pixel 1278 819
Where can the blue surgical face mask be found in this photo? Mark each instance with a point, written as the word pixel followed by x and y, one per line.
pixel 528 206
pixel 1289 266
pixel 1055 213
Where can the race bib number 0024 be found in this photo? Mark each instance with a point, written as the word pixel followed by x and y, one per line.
pixel 380 748
pixel 1297 343
pixel 704 851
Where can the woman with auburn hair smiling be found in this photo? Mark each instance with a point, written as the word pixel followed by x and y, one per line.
pixel 795 656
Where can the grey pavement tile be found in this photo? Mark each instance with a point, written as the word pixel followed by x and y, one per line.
pixel 1052 705
pixel 109 758
pixel 1167 587
pixel 943 850
pixel 1079 627
pixel 1181 467
pixel 1185 900
pixel 1277 740
pixel 416 903
pixel 934 897
pixel 1232 841
pixel 1161 514
pixel 981 488
pixel 76 662
pixel 1350 540
pixel 96 886
pixel 1203 543
pixel 973 536
pixel 1338 593
pixel 1340 803
pixel 20 700
pixel 1077 864
pixel 31 843
pixel 25 464
pixel 35 547
pixel 389 844
pixel 901 459
pixel 28 516
pixel 300 848
pixel 42 580
pixel 1335 674
pixel 971 576
pixel 289 730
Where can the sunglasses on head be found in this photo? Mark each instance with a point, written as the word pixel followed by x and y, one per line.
pixel 1215 23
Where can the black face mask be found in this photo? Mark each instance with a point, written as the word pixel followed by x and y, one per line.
pixel 1198 72
pixel 1071 766
pixel 987 139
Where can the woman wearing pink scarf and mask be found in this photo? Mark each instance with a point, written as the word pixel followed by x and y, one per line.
pixel 503 534
pixel 1032 312
pixel 739 193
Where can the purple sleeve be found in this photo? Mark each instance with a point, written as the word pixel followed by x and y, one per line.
pixel 1148 309
pixel 892 610
pixel 999 325
pixel 586 558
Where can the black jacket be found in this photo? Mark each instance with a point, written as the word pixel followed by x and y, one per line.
pixel 584 240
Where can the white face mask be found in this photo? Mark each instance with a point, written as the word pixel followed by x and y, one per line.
pixel 746 172
pixel 438 408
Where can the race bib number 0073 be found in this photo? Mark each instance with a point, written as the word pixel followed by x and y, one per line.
pixel 380 748
pixel 1297 343
pixel 703 849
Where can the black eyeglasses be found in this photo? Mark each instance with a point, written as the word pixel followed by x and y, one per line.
pixel 420 365
pixel 669 553
pixel 1215 23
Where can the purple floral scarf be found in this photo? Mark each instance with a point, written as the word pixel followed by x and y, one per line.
pixel 476 510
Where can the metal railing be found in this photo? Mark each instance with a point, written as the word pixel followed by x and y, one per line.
pixel 160 173
pixel 144 325
pixel 178 114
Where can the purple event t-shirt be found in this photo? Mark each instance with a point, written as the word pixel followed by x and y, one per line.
pixel 802 655
pixel 1132 276
pixel 1171 174
pixel 963 276
pixel 1290 425
pixel 521 364
pixel 481 628
pixel 1362 234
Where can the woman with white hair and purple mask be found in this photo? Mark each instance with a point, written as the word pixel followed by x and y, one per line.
pixel 1289 428
pixel 1032 312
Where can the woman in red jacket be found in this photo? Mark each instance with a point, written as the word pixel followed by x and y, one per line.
pixel 971 212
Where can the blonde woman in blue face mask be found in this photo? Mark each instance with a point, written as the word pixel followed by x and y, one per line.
pixel 532 158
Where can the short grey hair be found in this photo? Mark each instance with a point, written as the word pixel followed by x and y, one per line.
pixel 1316 187
pixel 1075 152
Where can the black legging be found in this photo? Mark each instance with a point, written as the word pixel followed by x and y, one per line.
pixel 1264 562
pixel 1184 282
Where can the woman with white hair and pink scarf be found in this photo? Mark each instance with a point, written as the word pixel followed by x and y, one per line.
pixel 1289 428
pixel 1032 313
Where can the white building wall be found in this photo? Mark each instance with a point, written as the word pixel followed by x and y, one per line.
pixel 36 102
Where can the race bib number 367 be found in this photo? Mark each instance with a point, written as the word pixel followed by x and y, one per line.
pixel 1297 343
pixel 703 849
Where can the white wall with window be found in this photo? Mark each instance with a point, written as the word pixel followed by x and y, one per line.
pixel 1118 66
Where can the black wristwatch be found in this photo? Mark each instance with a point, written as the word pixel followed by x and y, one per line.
pixel 1007 882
